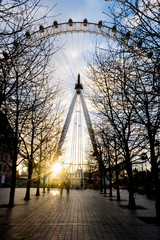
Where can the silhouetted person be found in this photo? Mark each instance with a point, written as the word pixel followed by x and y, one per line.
pixel 81 184
pixel 61 187
pixel 67 185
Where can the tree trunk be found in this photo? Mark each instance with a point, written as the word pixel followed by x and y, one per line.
pixel 44 183
pixel 156 180
pixel 30 167
pixel 49 185
pixel 14 165
pixel 13 184
pixel 117 181
pixel 15 154
pixel 157 194
pixel 38 178
pixel 117 170
pixel 132 204
pixel 30 162
pixel 90 177
pixel 104 180
pixel 38 186
pixel 110 178
pixel 100 181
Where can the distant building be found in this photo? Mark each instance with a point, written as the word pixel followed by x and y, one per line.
pixel 6 148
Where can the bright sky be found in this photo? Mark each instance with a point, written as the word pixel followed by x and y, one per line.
pixel 69 61
pixel 78 9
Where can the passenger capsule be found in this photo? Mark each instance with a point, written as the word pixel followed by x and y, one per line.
pixel 100 24
pixel 28 35
pixel 41 29
pixel 114 29
pixel 5 55
pixel 127 35
pixel 70 22
pixel 150 54
pixel 16 44
pixel 139 44
pixel 55 24
pixel 144 156
pixel 85 22
pixel 158 68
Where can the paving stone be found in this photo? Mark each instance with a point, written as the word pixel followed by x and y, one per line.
pixel 83 215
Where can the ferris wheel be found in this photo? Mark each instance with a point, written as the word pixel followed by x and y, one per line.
pixel 77 40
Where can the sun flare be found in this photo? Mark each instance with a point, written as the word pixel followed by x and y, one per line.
pixel 56 169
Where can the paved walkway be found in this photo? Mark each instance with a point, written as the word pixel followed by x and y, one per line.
pixel 82 215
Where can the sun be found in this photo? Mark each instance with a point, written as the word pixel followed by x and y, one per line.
pixel 56 169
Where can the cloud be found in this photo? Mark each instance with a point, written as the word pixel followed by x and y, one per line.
pixel 78 9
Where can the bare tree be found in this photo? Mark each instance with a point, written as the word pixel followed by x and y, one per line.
pixel 139 33
pixel 48 146
pixel 22 64
pixel 40 131
pixel 108 82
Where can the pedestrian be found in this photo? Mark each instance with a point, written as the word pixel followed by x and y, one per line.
pixel 67 185
pixel 61 187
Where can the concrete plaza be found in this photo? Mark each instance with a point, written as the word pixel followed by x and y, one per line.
pixel 82 215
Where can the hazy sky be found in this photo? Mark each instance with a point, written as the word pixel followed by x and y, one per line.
pixel 71 57
pixel 78 9
pixel 69 61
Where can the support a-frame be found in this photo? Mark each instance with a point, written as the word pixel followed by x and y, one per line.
pixel 78 88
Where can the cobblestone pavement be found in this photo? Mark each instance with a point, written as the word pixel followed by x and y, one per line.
pixel 81 215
